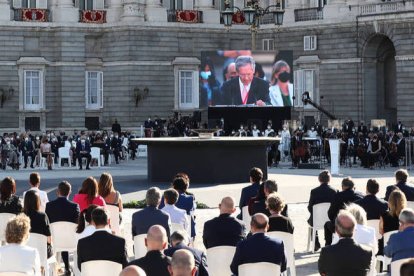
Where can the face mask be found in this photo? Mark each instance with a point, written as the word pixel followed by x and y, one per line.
pixel 116 136
pixel 268 127
pixel 8 142
pixel 284 128
pixel 284 77
pixel 26 139
pixel 254 127
pixel 37 138
pixel 83 141
pixel 112 136
pixel 312 129
pixel 205 74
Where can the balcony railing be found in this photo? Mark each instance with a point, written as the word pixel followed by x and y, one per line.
pixel 92 16
pixel 37 15
pixel 185 16
pixel 379 8
pixel 309 14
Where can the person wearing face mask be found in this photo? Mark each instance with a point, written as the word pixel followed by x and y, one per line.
pixel 374 151
pixel 209 86
pixel 28 149
pixel 83 149
pixel 116 146
pixel 8 152
pixel 255 131
pixel 281 90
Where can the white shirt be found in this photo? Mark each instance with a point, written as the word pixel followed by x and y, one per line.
pixel 178 216
pixel 268 131
pixel 89 230
pixel 43 197
pixel 19 258
pixel 255 132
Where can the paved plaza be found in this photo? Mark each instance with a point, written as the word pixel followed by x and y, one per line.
pixel 294 186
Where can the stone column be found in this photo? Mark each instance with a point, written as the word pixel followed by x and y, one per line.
pixel 155 12
pixel 64 11
pixel 4 10
pixel 133 11
pixel 210 14
pixel 114 11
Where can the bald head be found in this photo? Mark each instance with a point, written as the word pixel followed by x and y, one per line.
pixel 345 224
pixel 156 238
pixel 182 263
pixel 132 270
pixel 259 223
pixel 227 205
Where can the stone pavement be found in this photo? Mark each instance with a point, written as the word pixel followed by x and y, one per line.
pixel 294 186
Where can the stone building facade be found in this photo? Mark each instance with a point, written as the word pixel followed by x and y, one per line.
pixel 75 64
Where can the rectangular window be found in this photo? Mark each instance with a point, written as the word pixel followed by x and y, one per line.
pixel 94 90
pixel 268 45
pixel 91 4
pixel 30 4
pixel 310 43
pixel 33 89
pixel 304 81
pixel 186 89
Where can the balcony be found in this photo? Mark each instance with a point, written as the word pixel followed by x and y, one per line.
pixel 92 16
pixel 381 8
pixel 185 16
pixel 309 14
pixel 35 15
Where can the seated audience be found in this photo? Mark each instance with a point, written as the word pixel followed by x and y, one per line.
pixel 150 215
pixel 155 263
pixel 182 264
pixel 347 257
pixel 258 204
pixel 224 229
pixel 256 176
pixel 401 244
pixel 132 270
pixel 34 182
pixel 62 209
pixel 277 222
pixel 373 205
pixel 15 256
pixel 178 216
pixel 252 250
pixel 9 202
pixel 324 193
pixel 179 240
pixel 88 194
pixel 101 245
pixel 85 226
pixel 401 177
pixel 346 196
pixel 109 194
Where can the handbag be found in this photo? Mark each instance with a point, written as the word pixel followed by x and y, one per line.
pixel 49 250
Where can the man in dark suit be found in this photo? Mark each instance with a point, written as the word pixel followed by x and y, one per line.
pixel 102 245
pixel 179 240
pixel 225 229
pixel 323 193
pixel 346 257
pixel 246 89
pixel 373 205
pixel 62 209
pixel 401 177
pixel 83 149
pixel 259 247
pixel 27 149
pixel 348 195
pixel 256 176
pixel 155 263
pixel 150 215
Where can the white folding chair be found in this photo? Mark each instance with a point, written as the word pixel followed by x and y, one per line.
pixel 384 259
pixel 96 154
pixel 396 266
pixel 320 216
pixel 289 244
pixel 219 259
pixel 262 268
pixel 39 242
pixel 375 224
pixel 101 268
pixel 64 237
pixel 4 219
pixel 64 154
pixel 139 246
pixel 114 218
pixel 246 217
pixel 177 227
pixel 12 273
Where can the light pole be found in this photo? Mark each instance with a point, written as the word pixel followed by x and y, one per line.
pixel 252 13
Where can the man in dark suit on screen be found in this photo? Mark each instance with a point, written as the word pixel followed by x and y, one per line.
pixel 246 89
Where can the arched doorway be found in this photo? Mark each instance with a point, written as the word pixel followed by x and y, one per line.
pixel 379 80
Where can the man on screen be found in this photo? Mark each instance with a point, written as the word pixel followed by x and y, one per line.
pixel 245 89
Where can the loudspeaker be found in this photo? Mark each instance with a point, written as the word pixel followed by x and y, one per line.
pixel 308 166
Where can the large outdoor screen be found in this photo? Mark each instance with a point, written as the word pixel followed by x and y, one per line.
pixel 246 78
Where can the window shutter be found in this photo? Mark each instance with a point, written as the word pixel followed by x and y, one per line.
pixel 100 91
pixel 306 43
pixel 99 4
pixel 41 4
pixel 87 89
pixel 41 90
pixel 17 4
pixel 298 87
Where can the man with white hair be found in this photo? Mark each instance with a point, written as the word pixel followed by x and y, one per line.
pixel 401 244
pixel 182 263
pixel 346 257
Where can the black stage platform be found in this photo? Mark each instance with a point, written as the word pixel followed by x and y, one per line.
pixel 212 160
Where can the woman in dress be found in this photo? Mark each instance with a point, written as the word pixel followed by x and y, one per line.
pixel 46 152
pixel 278 222
pixel 281 90
pixel 9 202
pixel 108 192
pixel 88 194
